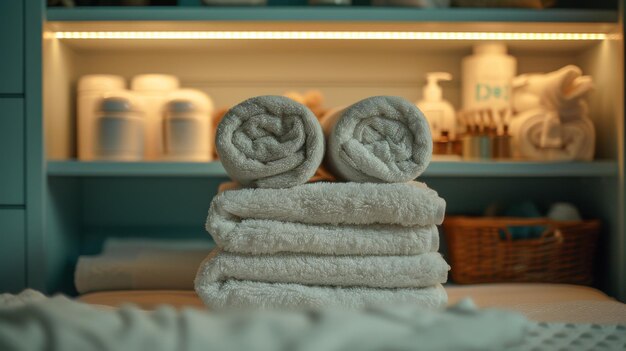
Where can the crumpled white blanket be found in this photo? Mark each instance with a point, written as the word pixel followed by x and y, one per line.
pixel 60 324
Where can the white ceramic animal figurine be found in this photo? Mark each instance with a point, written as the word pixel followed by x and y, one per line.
pixel 551 116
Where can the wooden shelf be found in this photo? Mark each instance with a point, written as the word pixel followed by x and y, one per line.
pixel 436 169
pixel 135 169
pixel 350 14
pixel 522 169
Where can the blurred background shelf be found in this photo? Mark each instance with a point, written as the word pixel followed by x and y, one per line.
pixel 78 205
pixel 135 169
pixel 304 13
pixel 436 169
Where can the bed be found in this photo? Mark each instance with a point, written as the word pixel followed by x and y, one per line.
pixel 563 317
pixel 538 302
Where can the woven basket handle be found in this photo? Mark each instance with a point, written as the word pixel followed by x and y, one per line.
pixel 552 233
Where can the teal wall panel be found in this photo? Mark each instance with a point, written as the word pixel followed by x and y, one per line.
pixel 11 151
pixel 63 239
pixel 34 143
pixel 12 251
pixel 12 46
pixel 154 207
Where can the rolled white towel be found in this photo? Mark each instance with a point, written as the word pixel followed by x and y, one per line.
pixel 134 268
pixel 270 142
pixel 381 139
pixel 537 135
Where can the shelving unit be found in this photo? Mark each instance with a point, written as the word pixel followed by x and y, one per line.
pixel 83 203
pixel 350 14
pixel 436 169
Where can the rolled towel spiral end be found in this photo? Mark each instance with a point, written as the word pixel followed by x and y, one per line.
pixel 378 139
pixel 270 142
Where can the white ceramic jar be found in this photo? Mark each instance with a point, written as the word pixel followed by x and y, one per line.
pixel 488 77
pixel 188 134
pixel 153 90
pixel 91 89
pixel 120 129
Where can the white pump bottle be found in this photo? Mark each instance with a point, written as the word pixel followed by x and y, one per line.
pixel 439 112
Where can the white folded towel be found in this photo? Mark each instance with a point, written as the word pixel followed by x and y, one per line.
pixel 245 294
pixel 262 236
pixel 228 279
pixel 368 271
pixel 135 267
pixel 407 204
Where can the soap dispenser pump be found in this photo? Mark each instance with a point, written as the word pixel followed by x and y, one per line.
pixel 439 112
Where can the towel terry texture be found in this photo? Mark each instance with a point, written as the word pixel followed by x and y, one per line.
pixel 262 236
pixel 245 294
pixel 60 324
pixel 270 142
pixel 328 218
pixel 325 244
pixel 285 244
pixel 368 271
pixel 407 204
pixel 227 280
pixel 378 139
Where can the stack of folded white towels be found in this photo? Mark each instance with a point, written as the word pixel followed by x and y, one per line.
pixel 285 243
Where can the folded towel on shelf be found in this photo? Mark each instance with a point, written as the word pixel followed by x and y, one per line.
pixel 245 294
pixel 134 269
pixel 368 271
pixel 406 204
pixel 378 139
pixel 270 142
pixel 299 280
pixel 262 236
pixel 538 135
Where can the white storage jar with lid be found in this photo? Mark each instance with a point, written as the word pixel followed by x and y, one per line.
pixel 188 134
pixel 120 128
pixel 91 89
pixel 487 77
pixel 153 90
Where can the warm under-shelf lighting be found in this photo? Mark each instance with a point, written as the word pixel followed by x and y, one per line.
pixel 321 35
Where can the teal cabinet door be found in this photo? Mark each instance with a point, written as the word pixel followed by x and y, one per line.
pixel 12 251
pixel 11 46
pixel 11 151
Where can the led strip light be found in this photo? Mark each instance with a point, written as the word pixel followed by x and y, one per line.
pixel 321 35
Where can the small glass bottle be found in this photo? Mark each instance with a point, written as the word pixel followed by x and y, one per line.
pixel 443 146
pixel 502 145
pixel 469 143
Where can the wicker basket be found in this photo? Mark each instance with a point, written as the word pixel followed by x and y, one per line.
pixel 533 4
pixel 482 250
